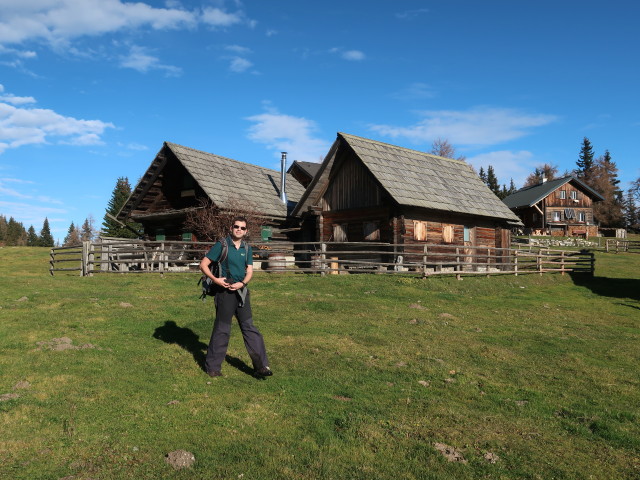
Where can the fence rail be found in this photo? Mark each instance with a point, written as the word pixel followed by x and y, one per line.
pixel 325 258
pixel 616 245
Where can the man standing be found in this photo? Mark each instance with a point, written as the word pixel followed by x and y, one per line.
pixel 233 299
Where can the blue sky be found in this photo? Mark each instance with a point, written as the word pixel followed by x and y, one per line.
pixel 91 88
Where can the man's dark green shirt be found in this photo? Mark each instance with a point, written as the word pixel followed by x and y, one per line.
pixel 235 266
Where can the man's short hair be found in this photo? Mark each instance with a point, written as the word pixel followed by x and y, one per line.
pixel 239 218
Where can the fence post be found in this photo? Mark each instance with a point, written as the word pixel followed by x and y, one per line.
pixel 515 262
pixel 593 263
pixel 84 259
pixel 323 259
pixel 90 260
pixel 458 266
pixel 539 261
pixel 52 261
pixel 606 245
pixel 424 261
pixel 562 263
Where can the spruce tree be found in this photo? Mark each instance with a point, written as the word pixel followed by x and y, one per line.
pixel 631 213
pixel 16 234
pixel 32 237
pixel 492 181
pixel 112 228
pixel 3 229
pixel 482 175
pixel 603 179
pixel 46 239
pixel 585 160
pixel 86 235
pixel 73 236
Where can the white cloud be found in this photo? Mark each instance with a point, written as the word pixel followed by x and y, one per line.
pixel 22 126
pixel 140 60
pixel 59 21
pixel 355 55
pixel 409 14
pixel 240 50
pixel 30 213
pixel 286 133
pixel 507 164
pixel 351 55
pixel 478 126
pixel 415 91
pixel 217 17
pixel 239 65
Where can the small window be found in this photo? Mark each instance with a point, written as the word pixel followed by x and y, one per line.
pixel 467 233
pixel 557 216
pixel 574 195
pixel 187 236
pixel 563 194
pixel 160 236
pixel 582 217
pixel 371 231
pixel 447 233
pixel 340 232
pixel 419 231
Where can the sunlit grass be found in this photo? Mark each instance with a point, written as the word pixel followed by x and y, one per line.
pixel 370 372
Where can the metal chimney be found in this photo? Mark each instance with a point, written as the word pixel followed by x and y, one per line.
pixel 283 178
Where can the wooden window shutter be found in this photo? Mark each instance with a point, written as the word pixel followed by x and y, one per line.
pixel 447 233
pixel 419 230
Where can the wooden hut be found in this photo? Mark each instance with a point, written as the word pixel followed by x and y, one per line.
pixel 179 177
pixel 562 207
pixel 371 191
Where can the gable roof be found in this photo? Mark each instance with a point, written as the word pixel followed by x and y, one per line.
pixel 415 179
pixel 309 168
pixel 223 179
pixel 529 196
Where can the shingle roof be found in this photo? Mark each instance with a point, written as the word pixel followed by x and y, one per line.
pixel 222 179
pixel 310 168
pixel 420 179
pixel 529 196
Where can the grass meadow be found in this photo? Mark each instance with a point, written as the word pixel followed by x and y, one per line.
pixel 527 377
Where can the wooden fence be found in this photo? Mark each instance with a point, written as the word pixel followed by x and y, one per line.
pixel 325 258
pixel 627 246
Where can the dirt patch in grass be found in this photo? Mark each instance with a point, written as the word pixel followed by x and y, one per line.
pixel 450 453
pixel 180 459
pixel 63 343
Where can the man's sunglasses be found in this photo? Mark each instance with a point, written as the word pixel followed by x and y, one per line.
pixel 238 227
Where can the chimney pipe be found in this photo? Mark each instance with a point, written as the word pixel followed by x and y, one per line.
pixel 283 178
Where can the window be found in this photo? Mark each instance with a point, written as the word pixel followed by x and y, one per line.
pixel 340 232
pixel 467 233
pixel 582 217
pixel 447 233
pixel 563 194
pixel 160 234
pixel 371 231
pixel 557 216
pixel 187 236
pixel 419 231
pixel 574 195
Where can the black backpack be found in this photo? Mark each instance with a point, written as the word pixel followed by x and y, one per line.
pixel 209 288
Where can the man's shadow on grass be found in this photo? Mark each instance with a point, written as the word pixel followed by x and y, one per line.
pixel 187 339
pixel 625 288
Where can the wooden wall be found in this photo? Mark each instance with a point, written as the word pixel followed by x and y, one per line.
pixel 350 186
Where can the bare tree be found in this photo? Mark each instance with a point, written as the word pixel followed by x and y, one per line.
pixel 211 223
pixel 443 148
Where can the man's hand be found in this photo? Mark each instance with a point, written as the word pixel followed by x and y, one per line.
pixel 235 286
pixel 222 282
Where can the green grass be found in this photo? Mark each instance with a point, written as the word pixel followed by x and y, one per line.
pixel 540 370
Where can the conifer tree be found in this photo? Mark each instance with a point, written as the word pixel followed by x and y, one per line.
pixel 585 160
pixel 73 236
pixel 3 228
pixel 32 237
pixel 542 172
pixel 46 239
pixel 111 227
pixel 482 175
pixel 631 213
pixel 87 233
pixel 492 181
pixel 603 179
pixel 16 234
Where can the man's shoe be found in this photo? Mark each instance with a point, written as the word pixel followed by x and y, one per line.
pixel 264 372
pixel 215 373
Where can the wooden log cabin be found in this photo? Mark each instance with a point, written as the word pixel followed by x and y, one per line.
pixel 368 191
pixel 179 177
pixel 559 207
